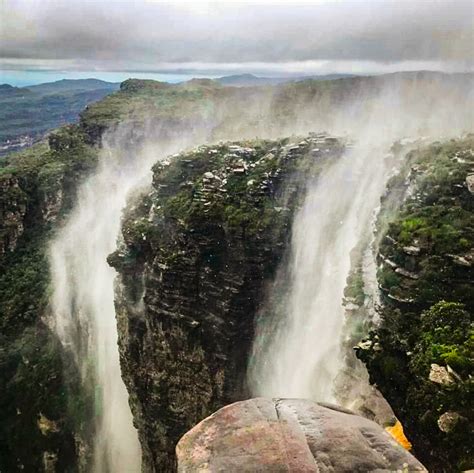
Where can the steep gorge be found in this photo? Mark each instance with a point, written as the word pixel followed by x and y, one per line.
pixel 44 411
pixel 199 252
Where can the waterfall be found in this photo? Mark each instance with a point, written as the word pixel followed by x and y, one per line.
pixel 297 346
pixel 83 302
pixel 297 349
pixel 83 287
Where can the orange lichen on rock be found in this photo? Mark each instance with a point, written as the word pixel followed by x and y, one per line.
pixel 396 431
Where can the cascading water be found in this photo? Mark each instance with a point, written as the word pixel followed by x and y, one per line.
pixel 83 289
pixel 300 356
pixel 297 347
pixel 83 303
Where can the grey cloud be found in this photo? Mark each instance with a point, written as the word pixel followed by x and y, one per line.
pixel 149 34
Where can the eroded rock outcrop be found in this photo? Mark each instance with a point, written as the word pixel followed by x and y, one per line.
pixel 198 250
pixel 420 355
pixel 12 213
pixel 290 435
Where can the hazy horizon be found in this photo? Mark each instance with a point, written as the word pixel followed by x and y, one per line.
pixel 41 41
pixel 31 78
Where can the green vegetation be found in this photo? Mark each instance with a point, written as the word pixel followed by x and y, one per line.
pixel 38 381
pixel 446 338
pixel 239 207
pixel 37 377
pixel 436 222
pixel 35 110
pixel 139 100
pixel 33 179
pixel 64 147
pixel 426 251
pixel 354 290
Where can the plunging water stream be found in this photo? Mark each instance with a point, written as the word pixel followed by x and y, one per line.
pixel 297 349
pixel 83 301
pixel 300 357
pixel 83 282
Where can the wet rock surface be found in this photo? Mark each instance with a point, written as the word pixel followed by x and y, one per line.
pixel 420 355
pixel 12 213
pixel 198 251
pixel 290 435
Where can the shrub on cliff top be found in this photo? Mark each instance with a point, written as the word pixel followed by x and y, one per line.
pixel 446 337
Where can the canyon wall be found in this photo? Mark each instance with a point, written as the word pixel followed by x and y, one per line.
pixel 198 251
pixel 420 355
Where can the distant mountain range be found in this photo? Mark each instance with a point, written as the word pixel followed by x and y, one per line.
pixel 249 80
pixel 26 113
pixel 68 85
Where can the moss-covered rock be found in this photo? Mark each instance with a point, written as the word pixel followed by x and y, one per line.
pixel 198 251
pixel 421 355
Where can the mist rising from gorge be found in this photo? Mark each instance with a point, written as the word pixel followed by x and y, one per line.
pixel 297 348
pixel 83 283
pixel 299 352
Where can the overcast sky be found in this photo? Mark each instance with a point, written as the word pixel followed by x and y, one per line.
pixel 270 38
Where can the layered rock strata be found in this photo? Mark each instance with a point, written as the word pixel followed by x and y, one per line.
pixel 420 356
pixel 198 249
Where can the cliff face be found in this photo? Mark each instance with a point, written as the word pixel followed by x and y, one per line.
pixel 215 255
pixel 42 407
pixel 197 251
pixel 420 356
pixel 47 416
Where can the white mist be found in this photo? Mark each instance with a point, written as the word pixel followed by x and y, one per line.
pixel 83 285
pixel 83 301
pixel 301 357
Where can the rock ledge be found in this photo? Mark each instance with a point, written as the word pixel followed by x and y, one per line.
pixel 290 435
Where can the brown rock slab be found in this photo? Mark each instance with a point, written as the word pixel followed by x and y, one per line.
pixel 290 435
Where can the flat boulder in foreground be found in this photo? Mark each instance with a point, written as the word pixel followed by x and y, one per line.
pixel 290 435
